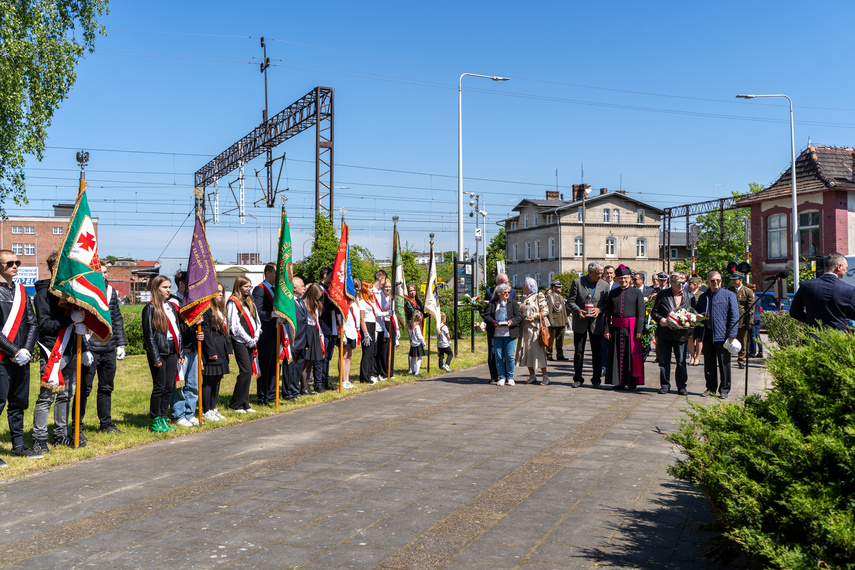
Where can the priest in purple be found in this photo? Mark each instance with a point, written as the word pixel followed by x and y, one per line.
pixel 623 327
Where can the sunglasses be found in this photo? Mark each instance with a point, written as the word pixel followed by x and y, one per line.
pixel 16 263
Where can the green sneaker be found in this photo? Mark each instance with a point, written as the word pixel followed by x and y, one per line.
pixel 155 425
pixel 165 425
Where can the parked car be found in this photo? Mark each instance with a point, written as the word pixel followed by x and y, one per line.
pixel 768 302
pixel 850 274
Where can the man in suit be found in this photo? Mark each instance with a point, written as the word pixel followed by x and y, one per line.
pixel 672 341
pixel 638 283
pixel 557 320
pixel 298 342
pixel 744 299
pixel 491 359
pixel 268 352
pixel 720 308
pixel 585 324
pixel 826 301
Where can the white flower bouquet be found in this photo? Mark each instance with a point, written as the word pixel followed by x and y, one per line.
pixel 682 319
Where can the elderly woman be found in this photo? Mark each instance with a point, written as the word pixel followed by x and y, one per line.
pixel 503 318
pixel 529 352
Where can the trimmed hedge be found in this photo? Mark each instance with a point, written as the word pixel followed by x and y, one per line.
pixel 780 470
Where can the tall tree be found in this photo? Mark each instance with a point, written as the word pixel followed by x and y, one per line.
pixel 41 41
pixel 496 251
pixel 323 252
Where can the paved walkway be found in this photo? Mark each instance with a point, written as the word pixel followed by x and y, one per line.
pixel 446 473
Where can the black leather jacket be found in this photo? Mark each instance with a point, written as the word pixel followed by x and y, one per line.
pixel 156 344
pixel 51 317
pixel 26 336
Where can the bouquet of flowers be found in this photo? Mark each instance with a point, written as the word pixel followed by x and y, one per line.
pixel 649 334
pixel 476 303
pixel 684 319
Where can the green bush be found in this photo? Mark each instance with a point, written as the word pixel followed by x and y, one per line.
pixel 132 318
pixel 780 471
pixel 783 329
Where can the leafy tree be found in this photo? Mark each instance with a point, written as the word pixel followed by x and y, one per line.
pixel 719 244
pixel 413 272
pixel 362 263
pixel 496 251
pixel 566 279
pixel 448 256
pixel 41 41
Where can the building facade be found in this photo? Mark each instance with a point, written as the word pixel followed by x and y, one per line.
pixel 554 236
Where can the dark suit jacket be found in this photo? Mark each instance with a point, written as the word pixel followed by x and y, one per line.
pixel 264 306
pixel 825 301
pixel 663 305
pixel 299 336
pixel 488 296
pixel 576 302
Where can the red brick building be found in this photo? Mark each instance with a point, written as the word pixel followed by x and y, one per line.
pixel 129 277
pixel 825 191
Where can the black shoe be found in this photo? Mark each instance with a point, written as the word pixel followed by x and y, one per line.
pixel 83 440
pixel 3 464
pixel 110 428
pixel 549 358
pixel 320 389
pixel 24 451
pixel 576 385
pixel 682 392
pixel 305 393
pixel 741 366
pixel 40 446
pixel 562 359
pixel 329 387
pixel 596 384
pixel 664 390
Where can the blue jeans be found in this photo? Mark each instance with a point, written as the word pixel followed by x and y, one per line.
pixel 504 347
pixel 184 399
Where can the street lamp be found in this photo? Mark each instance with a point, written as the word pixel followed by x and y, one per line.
pixel 460 156
pixel 793 180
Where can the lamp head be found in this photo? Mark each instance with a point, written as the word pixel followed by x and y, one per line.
pixel 745 96
pixel 497 78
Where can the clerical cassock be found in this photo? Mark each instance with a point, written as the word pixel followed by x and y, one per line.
pixel 625 322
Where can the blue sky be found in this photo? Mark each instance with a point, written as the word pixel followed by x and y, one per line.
pixel 638 95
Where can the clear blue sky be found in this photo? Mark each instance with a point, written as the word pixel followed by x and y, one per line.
pixel 639 94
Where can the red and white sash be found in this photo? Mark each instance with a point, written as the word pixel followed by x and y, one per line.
pixel 251 330
pixel 52 377
pixel 173 330
pixel 19 307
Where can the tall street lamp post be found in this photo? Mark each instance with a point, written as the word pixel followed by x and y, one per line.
pixel 460 156
pixel 795 215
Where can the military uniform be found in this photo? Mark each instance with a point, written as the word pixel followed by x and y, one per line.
pixel 744 298
pixel 557 323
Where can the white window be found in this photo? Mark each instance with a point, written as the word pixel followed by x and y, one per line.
pixel 616 215
pixel 611 247
pixel 18 248
pixel 535 220
pixel 515 257
pixel 516 280
pixel 17 230
pixel 528 251
pixel 57 231
pixel 525 220
pixel 537 249
pixel 808 233
pixel 776 233
pixel 578 246
pixel 29 229
pixel 551 277
pixel 29 249
pixel 641 247
pixel 537 278
pixel 580 214
pixel 551 250
pixel 639 214
pixel 606 216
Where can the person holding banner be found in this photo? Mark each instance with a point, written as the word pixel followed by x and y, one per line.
pixel 186 398
pixel 17 339
pixel 164 349
pixel 268 352
pixel 216 353
pixel 314 302
pixel 384 310
pixel 393 330
pixel 350 330
pixel 245 327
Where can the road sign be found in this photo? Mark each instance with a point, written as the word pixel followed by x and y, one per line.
pixel 477 234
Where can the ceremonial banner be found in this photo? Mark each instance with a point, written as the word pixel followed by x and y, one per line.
pixel 201 277
pixel 283 294
pixel 431 303
pixel 400 289
pixel 77 278
pixel 341 286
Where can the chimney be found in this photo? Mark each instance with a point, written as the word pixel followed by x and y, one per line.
pixel 604 191
pixel 622 192
pixel 552 194
pixel 579 191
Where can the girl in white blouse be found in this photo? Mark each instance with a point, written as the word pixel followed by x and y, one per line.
pixel 245 326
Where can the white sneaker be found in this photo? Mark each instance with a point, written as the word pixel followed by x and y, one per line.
pixel 372 380
pixel 250 411
pixel 511 382
pixel 347 384
pixel 500 382
pixel 184 422
pixel 239 411
pixel 211 416
pixel 381 378
pixel 194 420
pixel 218 414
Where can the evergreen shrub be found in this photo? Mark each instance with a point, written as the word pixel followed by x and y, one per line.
pixel 780 471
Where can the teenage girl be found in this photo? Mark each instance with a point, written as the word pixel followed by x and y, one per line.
pixel 162 341
pixel 350 329
pixel 367 373
pixel 245 327
pixel 216 352
pixel 314 299
pixel 417 344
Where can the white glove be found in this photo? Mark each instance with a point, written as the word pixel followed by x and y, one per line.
pixel 80 328
pixel 250 344
pixel 120 353
pixel 77 315
pixel 87 359
pixel 63 362
pixel 22 357
pixel 366 340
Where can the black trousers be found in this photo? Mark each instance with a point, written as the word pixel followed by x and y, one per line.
pixel 163 381
pixel 448 353
pixel 322 367
pixel 14 391
pixel 105 366
pixel 491 357
pixel 366 367
pixel 664 350
pixel 267 361
pixel 243 357
pixel 716 360
pixel 291 381
pixel 558 339
pixel 381 355
pixel 579 356
pixel 210 391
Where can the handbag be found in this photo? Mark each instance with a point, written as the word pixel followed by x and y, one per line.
pixel 544 338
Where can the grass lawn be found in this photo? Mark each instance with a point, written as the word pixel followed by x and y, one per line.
pixel 131 402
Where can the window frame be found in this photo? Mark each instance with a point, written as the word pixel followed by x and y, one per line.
pixel 578 246
pixel 641 248
pixel 611 241
pixel 779 233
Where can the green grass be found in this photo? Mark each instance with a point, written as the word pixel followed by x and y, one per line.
pixel 131 402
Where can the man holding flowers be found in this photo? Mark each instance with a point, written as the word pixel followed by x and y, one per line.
pixel 673 314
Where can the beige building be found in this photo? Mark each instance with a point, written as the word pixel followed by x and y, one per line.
pixel 552 236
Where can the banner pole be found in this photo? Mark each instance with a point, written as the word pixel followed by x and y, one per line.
pixel 77 394
pixel 278 362
pixel 199 371
pixel 341 378
pixel 427 328
pixel 393 324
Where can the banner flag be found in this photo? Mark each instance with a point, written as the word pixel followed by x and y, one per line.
pixel 431 303
pixel 77 279
pixel 400 284
pixel 201 277
pixel 341 286
pixel 283 294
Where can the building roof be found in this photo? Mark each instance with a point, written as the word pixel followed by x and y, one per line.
pixel 617 194
pixel 678 239
pixel 540 203
pixel 818 168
